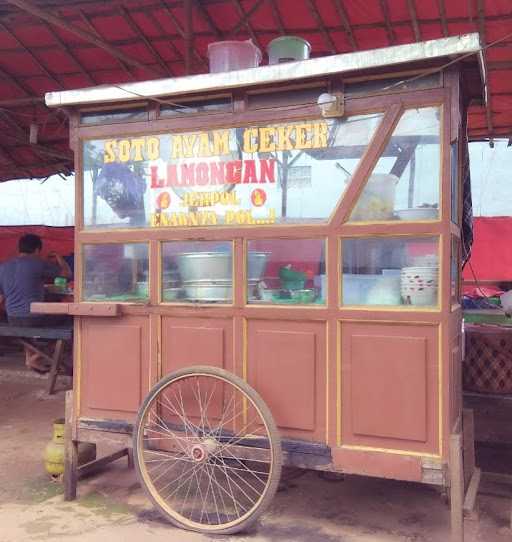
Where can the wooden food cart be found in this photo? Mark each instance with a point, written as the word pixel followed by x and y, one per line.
pixel 291 229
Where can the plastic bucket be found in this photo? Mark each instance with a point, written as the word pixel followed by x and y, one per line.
pixel 377 200
pixel 225 56
pixel 288 49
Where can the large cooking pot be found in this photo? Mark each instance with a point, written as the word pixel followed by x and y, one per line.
pixel 217 266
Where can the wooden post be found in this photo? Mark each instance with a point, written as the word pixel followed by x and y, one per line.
pixel 456 488
pixel 70 452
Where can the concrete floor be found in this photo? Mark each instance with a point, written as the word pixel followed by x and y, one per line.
pixel 112 507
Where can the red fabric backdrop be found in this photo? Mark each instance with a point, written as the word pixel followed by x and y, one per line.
pixel 59 240
pixel 491 256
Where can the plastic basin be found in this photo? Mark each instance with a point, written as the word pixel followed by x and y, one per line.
pixel 225 56
pixel 288 49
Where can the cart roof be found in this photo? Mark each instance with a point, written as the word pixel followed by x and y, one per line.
pixel 450 48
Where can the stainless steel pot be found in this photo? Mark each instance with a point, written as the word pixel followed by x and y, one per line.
pixel 256 263
pixel 208 291
pixel 201 266
pixel 217 266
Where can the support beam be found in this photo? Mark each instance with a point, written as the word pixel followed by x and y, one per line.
pixel 14 164
pixel 320 24
pixel 442 14
pixel 499 65
pixel 18 133
pixel 181 32
pixel 22 102
pixel 277 17
pixel 28 7
pixel 137 31
pixel 483 38
pixel 342 12
pixel 206 16
pixel 30 53
pixel 92 28
pixel 245 16
pixel 71 55
pixel 6 76
pixel 187 5
pixel 389 29
pixel 414 20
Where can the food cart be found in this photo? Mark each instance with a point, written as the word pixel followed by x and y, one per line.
pixel 267 273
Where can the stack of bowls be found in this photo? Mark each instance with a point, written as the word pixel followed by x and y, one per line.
pixel 419 285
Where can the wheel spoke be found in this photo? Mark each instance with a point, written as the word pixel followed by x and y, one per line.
pixel 193 450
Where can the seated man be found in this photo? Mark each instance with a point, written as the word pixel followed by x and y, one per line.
pixel 22 282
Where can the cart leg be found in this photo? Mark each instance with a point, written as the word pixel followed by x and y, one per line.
pixel 456 488
pixel 70 453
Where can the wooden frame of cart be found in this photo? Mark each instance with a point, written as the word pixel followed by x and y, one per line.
pixel 308 246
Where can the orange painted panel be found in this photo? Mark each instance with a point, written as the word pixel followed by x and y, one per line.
pixel 395 381
pixel 286 365
pixel 115 365
pixel 389 386
pixel 196 341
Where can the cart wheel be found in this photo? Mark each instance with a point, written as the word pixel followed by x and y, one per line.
pixel 207 450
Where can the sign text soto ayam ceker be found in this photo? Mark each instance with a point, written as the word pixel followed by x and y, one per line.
pixel 200 172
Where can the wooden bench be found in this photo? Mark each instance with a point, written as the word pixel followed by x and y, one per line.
pixel 26 336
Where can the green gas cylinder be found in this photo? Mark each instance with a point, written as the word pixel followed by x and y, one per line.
pixel 54 451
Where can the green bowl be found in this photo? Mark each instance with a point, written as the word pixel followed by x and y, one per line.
pixel 292 284
pixel 286 274
pixel 304 296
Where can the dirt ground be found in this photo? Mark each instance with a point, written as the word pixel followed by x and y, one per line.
pixel 112 507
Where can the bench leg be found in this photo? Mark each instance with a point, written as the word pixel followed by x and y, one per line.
pixel 54 369
pixel 70 453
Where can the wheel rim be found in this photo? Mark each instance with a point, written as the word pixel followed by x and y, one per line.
pixel 205 452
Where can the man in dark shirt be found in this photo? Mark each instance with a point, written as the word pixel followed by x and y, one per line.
pixel 22 282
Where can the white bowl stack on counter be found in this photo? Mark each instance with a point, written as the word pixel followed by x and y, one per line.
pixel 419 285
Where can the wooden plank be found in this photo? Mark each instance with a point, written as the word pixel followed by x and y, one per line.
pixel 94 309
pixel 111 426
pixel 64 332
pixel 456 488
pixel 98 464
pixel 49 308
pixel 468 431
pixel 470 508
pixel 70 452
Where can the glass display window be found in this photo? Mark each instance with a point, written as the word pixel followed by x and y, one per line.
pixel 286 272
pixel 115 272
pixel 277 173
pixel 405 182
pixel 390 271
pixel 197 272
